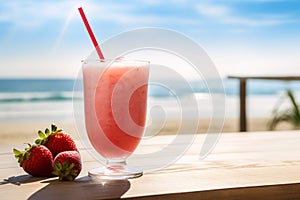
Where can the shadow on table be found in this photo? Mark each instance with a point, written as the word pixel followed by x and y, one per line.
pixel 82 188
pixel 21 179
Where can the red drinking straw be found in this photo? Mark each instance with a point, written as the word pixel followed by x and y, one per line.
pixel 86 23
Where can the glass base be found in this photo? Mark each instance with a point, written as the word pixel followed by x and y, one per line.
pixel 115 173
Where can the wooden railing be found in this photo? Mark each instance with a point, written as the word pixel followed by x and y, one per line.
pixel 243 93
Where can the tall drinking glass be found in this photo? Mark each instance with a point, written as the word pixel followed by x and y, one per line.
pixel 115 103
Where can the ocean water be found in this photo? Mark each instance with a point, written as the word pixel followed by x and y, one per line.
pixel 52 99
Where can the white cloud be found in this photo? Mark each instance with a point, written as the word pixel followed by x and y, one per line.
pixel 32 13
pixel 226 14
pixel 132 14
pixel 214 11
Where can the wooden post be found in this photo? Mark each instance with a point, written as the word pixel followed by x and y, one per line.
pixel 243 93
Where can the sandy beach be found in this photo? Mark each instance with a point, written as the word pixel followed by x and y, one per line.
pixel 23 132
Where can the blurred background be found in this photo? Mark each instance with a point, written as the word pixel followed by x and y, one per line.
pixel 42 44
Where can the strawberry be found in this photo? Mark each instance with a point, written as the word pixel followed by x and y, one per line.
pixel 67 165
pixel 36 160
pixel 56 141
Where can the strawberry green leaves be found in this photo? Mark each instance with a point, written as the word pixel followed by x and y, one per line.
pixel 43 137
pixel 67 165
pixel 65 171
pixel 19 155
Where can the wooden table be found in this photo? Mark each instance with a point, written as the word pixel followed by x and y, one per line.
pixel 257 165
pixel 243 93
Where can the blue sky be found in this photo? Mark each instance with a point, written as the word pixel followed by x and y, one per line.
pixel 47 38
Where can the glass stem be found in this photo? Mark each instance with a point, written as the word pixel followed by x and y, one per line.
pixel 115 162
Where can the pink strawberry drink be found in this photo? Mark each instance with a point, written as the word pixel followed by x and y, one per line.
pixel 115 102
